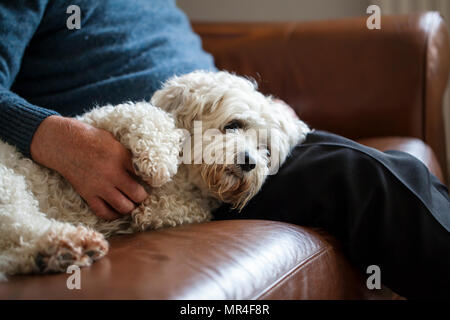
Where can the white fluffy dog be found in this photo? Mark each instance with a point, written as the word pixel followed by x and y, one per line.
pixel 45 226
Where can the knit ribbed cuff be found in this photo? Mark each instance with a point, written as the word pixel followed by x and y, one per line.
pixel 18 124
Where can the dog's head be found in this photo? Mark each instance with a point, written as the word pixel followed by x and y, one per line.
pixel 236 135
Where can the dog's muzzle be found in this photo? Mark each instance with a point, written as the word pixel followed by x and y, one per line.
pixel 248 163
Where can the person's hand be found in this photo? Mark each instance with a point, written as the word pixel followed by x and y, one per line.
pixel 97 165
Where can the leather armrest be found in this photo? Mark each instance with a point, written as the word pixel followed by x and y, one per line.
pixel 342 77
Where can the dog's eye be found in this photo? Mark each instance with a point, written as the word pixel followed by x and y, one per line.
pixel 233 125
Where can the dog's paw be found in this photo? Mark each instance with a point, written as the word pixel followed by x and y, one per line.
pixel 155 175
pixel 80 247
pixel 157 158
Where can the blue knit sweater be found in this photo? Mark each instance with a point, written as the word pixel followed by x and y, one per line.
pixel 123 51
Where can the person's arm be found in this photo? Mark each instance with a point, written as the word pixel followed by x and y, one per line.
pixel 19 119
pixel 95 163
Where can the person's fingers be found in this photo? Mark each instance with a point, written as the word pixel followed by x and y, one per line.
pixel 132 189
pixel 102 210
pixel 118 201
pixel 128 162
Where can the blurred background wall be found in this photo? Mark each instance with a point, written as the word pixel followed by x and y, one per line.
pixel 306 10
pixel 271 10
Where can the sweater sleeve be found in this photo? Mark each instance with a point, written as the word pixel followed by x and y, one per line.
pixel 19 119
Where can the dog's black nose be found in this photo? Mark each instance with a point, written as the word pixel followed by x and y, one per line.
pixel 248 164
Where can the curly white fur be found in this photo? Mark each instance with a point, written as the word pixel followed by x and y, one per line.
pixel 45 226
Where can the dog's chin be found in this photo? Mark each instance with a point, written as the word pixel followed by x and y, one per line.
pixel 229 184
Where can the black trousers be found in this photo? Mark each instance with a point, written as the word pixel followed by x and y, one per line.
pixel 386 208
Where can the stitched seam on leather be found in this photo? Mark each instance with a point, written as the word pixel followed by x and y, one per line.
pixel 292 272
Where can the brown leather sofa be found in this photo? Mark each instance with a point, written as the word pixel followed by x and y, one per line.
pixel 383 88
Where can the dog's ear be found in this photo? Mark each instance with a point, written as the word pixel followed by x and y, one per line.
pixel 290 124
pixel 290 129
pixel 186 97
pixel 175 98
